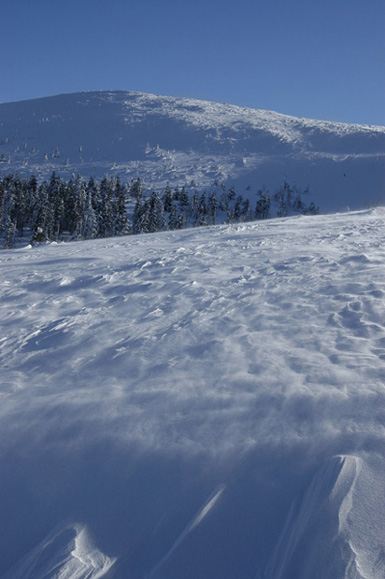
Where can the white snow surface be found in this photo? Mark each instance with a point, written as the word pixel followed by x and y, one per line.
pixel 178 140
pixel 204 403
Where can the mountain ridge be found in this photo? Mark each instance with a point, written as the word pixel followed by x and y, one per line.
pixel 191 99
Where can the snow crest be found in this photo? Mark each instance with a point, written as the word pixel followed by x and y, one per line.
pixel 67 553
pixel 334 526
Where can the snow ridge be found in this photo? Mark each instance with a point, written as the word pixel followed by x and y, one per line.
pixel 67 553
pixel 189 528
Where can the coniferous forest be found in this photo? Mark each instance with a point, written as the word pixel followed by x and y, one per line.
pixel 56 209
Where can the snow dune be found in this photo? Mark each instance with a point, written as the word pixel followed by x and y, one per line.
pixel 205 403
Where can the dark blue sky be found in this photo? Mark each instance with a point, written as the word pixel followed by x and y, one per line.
pixel 322 59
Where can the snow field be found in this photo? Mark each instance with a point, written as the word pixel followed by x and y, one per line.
pixel 208 403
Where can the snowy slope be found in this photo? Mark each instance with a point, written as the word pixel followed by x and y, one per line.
pixel 176 140
pixel 206 403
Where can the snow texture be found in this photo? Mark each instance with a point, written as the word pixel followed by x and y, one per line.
pixel 177 140
pixel 204 403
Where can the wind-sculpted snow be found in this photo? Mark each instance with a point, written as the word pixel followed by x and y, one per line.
pixel 67 553
pixel 179 140
pixel 205 403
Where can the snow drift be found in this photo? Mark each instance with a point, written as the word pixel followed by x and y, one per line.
pixel 205 403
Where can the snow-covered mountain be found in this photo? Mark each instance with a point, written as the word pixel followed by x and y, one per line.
pixel 177 140
pixel 205 403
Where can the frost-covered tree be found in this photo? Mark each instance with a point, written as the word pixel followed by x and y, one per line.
pixel 10 234
pixel 90 222
pixel 213 205
pixel 183 200
pixel 136 189
pixel 156 214
pixel 167 199
pixel 121 222
pixel 173 222
pixel 262 209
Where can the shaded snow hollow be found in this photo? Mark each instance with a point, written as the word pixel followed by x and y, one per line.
pixel 178 140
pixel 206 403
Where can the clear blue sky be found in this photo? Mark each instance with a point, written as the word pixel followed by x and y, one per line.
pixel 321 59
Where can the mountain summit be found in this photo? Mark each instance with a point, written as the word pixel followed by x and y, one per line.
pixel 179 140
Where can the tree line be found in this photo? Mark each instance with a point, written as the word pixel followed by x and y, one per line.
pixel 56 209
